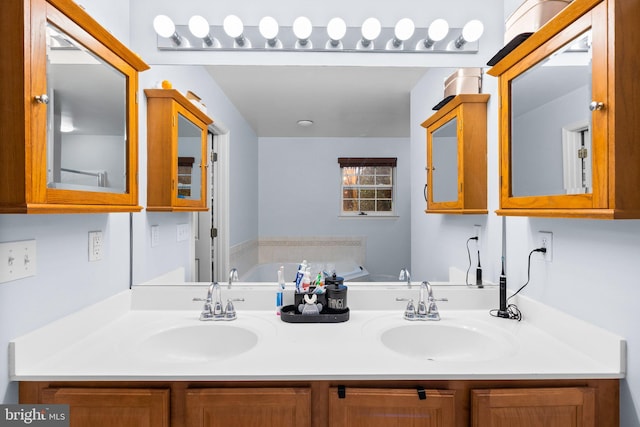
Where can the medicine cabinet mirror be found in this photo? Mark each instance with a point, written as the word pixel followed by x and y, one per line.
pixel 457 156
pixel 569 116
pixel 69 112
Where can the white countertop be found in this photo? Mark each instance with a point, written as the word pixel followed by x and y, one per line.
pixel 107 341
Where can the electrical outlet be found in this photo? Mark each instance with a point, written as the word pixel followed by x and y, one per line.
pixel 95 245
pixel 155 236
pixel 477 230
pixel 182 232
pixel 545 240
pixel 17 260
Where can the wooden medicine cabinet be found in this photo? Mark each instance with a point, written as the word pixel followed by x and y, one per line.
pixel 68 112
pixel 176 152
pixel 569 118
pixel 457 156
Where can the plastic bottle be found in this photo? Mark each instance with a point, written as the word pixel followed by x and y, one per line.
pixel 279 292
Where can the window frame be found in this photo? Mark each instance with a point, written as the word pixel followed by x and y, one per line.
pixel 368 162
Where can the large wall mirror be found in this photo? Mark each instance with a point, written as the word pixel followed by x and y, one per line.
pixel 551 124
pixel 87 126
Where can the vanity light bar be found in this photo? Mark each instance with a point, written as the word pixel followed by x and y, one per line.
pixel 317 41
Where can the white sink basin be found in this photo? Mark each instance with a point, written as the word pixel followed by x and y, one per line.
pixel 440 341
pixel 204 342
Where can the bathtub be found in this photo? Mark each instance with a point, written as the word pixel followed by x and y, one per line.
pixel 269 272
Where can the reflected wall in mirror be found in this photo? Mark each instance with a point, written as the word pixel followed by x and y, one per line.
pixel 189 159
pixel 444 152
pixel 86 120
pixel 551 123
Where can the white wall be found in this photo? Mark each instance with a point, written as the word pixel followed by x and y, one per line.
pixel 300 195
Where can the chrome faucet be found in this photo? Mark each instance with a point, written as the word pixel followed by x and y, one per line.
pixel 405 275
pixel 213 309
pixel 233 275
pixel 426 309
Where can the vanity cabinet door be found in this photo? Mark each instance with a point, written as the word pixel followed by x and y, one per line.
pixel 457 156
pixel 176 152
pixel 568 125
pixel 69 115
pixel 534 407
pixel 112 407
pixel 248 407
pixel 379 407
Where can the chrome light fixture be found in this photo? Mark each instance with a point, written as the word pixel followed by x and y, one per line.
pixel 437 31
pixel 269 28
pixel 402 32
pixel 234 28
pixel 164 27
pixel 302 29
pixel 301 35
pixel 336 29
pixel 199 27
pixel 370 31
pixel 471 32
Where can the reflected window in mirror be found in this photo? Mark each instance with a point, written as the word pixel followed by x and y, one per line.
pixel 551 123
pixel 368 186
pixel 86 118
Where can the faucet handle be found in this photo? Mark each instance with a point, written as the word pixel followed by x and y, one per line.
pixel 410 311
pixel 230 310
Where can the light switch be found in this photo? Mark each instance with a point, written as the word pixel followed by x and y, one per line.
pixel 17 260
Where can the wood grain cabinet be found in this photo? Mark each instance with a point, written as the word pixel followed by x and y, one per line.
pixel 246 407
pixel 549 407
pixel 68 112
pixel 112 407
pixel 176 152
pixel 457 156
pixel 569 116
pixel 382 407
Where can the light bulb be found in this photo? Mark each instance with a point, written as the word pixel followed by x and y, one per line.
pixel 472 30
pixel 233 26
pixel 336 28
pixel 371 29
pixel 199 26
pixel 302 28
pixel 268 27
pixel 404 29
pixel 164 26
pixel 438 30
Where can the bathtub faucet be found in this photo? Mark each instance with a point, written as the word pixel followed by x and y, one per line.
pixel 233 275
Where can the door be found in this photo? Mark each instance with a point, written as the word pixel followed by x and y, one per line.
pixel 206 222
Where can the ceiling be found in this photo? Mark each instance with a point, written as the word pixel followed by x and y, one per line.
pixel 341 101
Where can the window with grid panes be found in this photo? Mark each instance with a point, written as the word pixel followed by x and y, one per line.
pixel 368 185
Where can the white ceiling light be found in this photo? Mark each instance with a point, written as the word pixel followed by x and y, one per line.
pixel 370 31
pixel 302 29
pixel 164 27
pixel 403 31
pixel 437 31
pixel 234 28
pixel 199 27
pixel 269 28
pixel 336 29
pixel 471 32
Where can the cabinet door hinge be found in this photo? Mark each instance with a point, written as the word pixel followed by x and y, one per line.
pixel 583 153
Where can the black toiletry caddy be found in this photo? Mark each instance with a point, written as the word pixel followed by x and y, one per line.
pixel 334 305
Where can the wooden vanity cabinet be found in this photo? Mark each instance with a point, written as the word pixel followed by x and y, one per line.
pixel 176 153
pixel 68 112
pixel 112 406
pixel 366 403
pixel 551 407
pixel 457 156
pixel 607 163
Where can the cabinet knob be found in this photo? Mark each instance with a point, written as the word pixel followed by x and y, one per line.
pixel 42 99
pixel 594 105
